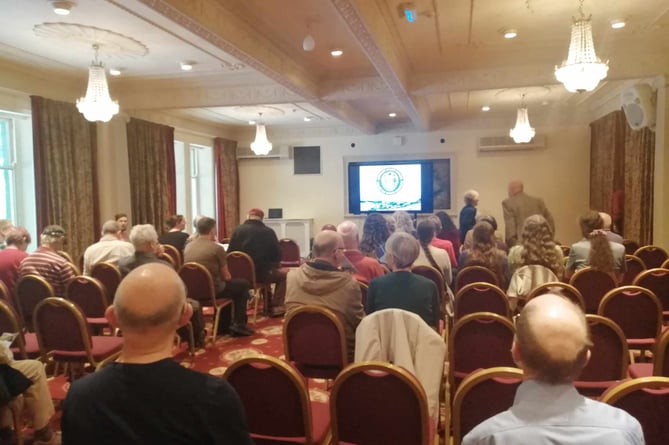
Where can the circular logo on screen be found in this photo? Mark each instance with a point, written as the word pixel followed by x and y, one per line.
pixel 390 180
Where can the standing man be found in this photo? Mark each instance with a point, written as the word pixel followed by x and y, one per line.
pixel 146 397
pixel 46 262
pixel 258 241
pixel 110 248
pixel 517 207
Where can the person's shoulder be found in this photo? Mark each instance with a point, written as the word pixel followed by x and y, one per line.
pixel 88 386
pixel 483 432
pixel 612 417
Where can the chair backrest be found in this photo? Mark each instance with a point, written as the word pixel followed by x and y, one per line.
pixel 609 356
pixel 274 396
pixel 109 275
pixel 60 326
pixel 665 265
pixel 30 290
pixel 661 355
pixel 9 322
pixel 634 266
pixel 5 294
pixel 241 266
pixel 199 283
pixel 481 297
pixel 652 256
pixel 290 252
pixel 363 293
pixel 474 274
pixel 174 253
pixel 635 309
pixel 592 284
pixel 164 256
pixel 631 246
pixel 433 275
pixel 657 281
pixel 374 403
pixel 89 294
pixel 647 400
pixel 314 341
pixel 481 395
pixel 558 287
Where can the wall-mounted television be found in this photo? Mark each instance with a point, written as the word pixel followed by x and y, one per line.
pixel 387 186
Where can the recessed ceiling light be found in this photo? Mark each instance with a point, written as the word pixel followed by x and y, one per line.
pixel 114 71
pixel 617 24
pixel 307 119
pixel 252 122
pixel 336 52
pixel 509 33
pixel 392 114
pixel 62 7
pixel 485 108
pixel 187 66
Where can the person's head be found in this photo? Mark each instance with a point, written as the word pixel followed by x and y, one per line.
pixel 256 214
pixel 150 304
pixel 176 222
pixel 590 222
pixel 606 220
pixel 401 250
pixel 471 197
pixel 403 222
pixel 434 219
pixel 329 247
pixel 206 227
pixel 426 231
pixel 111 227
pixel 552 343
pixel 53 236
pixel 5 226
pixel 446 221
pixel 483 235
pixel 374 232
pixel 349 233
pixel 536 229
pixel 489 219
pixel 122 219
pixel 144 238
pixel 18 237
pixel 390 224
pixel 195 220
pixel 538 245
pixel 330 227
pixel 515 187
pixel 601 255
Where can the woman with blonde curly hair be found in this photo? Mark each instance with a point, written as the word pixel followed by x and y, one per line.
pixel 537 247
pixel 485 253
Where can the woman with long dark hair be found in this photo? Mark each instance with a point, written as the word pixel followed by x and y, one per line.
pixel 448 230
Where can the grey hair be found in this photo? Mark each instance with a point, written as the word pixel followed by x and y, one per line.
pixel 142 234
pixel 403 222
pixel 403 247
pixel 110 227
pixel 349 231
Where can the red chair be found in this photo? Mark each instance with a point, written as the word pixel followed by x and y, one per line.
pixel 174 253
pixel 559 288
pixel 652 256
pixel 481 297
pixel 433 275
pixel 634 267
pixel 25 345
pixel 481 395
pixel 474 274
pixel 30 290
pixel 241 266
pixel 276 401
pixel 593 285
pixel 660 364
pixel 91 297
pixel 647 400
pixel 609 357
pixel 656 281
pixel 314 341
pixel 5 294
pixel 110 277
pixel 374 403
pixel 166 257
pixel 630 246
pixel 638 313
pixel 290 253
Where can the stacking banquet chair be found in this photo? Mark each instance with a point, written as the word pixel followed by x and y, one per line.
pixel 363 293
pixel 314 342
pixel 110 277
pixel 166 257
pixel 647 400
pixel 5 294
pixel 474 274
pixel 276 401
pixel 200 287
pixel 638 313
pixel 609 357
pixel 30 290
pixel 241 266
pixel 290 253
pixel 631 246
pixel 64 336
pixel 480 340
pixel 560 288
pixel 652 256
pixel 436 277
pixel 377 403
pixel 481 395
pixel 656 281
pixel 76 269
pixel 25 345
pixel 665 265
pixel 481 297
pixel 634 266
pixel 660 364
pixel 174 253
pixel 91 297
pixel 592 284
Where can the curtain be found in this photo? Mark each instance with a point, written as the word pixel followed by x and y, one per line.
pixel 64 147
pixel 607 143
pixel 227 186
pixel 638 198
pixel 152 172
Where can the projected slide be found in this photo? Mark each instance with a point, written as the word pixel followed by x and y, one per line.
pixel 390 187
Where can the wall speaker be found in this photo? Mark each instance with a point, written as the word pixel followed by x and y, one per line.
pixel 638 103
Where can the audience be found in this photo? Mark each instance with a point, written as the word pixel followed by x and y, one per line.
pixel 320 282
pixel 17 241
pixel 484 253
pixel 122 220
pixel 428 255
pixel 146 397
pixel 374 235
pixel 109 249
pixel 449 232
pixel 606 226
pixel 403 222
pixel 443 243
pixel 46 262
pixel 552 346
pixel 537 247
pixel 402 289
pixel 499 242
pixel 468 213
pixel 517 207
pixel 390 224
pixel 366 268
pixel 175 235
pixel 5 226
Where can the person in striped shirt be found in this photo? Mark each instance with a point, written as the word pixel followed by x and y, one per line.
pixel 46 262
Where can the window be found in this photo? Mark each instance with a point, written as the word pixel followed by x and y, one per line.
pixel 7 174
pixel 196 182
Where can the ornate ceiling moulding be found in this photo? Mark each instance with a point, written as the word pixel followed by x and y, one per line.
pixel 110 43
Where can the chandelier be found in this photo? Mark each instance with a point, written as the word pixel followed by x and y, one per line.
pixel 583 70
pixel 522 133
pixel 97 105
pixel 261 146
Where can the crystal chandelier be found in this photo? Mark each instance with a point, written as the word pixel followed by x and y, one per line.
pixel 583 70
pixel 261 146
pixel 522 133
pixel 97 105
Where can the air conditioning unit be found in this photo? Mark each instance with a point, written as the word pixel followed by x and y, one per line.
pixel 278 152
pixel 489 144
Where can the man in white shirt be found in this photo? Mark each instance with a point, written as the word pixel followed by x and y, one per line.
pixel 110 248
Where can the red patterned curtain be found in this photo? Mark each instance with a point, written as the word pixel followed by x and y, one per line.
pixel 227 186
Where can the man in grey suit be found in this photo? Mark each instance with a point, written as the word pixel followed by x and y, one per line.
pixel 517 207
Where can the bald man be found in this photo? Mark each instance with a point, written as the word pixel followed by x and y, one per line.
pixel 366 268
pixel 320 282
pixel 146 397
pixel 552 346
pixel 517 207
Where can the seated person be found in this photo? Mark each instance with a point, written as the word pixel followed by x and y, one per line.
pixel 402 289
pixel 499 243
pixel 122 220
pixel 484 253
pixel 537 247
pixel 109 249
pixel 374 235
pixel 17 241
pixel 46 262
pixel 429 255
pixel 606 226
pixel 175 235
pixel 443 244
pixel 449 232
pixel 366 268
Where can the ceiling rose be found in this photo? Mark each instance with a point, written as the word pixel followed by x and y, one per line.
pixel 251 112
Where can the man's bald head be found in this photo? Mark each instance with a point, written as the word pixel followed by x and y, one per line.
pixel 515 187
pixel 552 340
pixel 325 245
pixel 151 296
pixel 349 232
